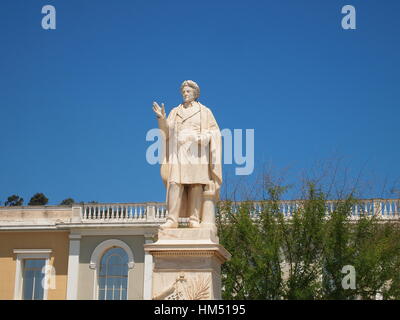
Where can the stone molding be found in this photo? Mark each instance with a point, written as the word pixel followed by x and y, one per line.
pixel 102 247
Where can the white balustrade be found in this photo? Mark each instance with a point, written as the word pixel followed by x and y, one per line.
pixel 114 212
pixel 161 212
pixel 138 212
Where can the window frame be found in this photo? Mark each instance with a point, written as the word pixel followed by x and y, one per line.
pixel 26 254
pixel 95 262
pixel 105 261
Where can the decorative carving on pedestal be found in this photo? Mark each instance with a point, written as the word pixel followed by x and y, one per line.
pixel 187 264
pixel 183 289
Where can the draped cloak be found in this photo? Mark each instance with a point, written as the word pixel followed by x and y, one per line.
pixel 184 159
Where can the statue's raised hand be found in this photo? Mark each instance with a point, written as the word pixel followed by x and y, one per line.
pixel 160 112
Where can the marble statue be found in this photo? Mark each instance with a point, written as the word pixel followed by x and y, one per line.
pixel 191 168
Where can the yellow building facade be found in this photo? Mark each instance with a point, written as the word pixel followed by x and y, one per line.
pixel 14 243
pixel 79 252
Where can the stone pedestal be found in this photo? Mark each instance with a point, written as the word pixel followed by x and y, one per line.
pixel 187 264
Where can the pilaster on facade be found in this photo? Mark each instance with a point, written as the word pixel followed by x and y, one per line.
pixel 73 266
pixel 148 269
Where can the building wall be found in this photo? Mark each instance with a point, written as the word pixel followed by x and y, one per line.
pixel 57 241
pixel 86 283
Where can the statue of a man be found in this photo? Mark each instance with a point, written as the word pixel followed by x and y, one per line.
pixel 191 168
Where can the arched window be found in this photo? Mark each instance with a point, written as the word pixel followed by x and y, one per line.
pixel 111 261
pixel 113 275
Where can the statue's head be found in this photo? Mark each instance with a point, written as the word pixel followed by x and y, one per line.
pixel 190 91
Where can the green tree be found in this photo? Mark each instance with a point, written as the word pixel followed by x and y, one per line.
pixel 302 245
pixel 302 257
pixel 254 271
pixel 67 202
pixel 13 201
pixel 338 251
pixel 376 258
pixel 39 199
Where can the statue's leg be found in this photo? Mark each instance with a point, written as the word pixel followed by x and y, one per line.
pixel 208 210
pixel 175 192
pixel 195 199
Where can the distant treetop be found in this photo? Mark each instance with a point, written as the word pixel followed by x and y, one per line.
pixel 39 199
pixel 14 201
pixel 67 202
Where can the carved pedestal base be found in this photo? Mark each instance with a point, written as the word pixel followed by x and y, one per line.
pixel 187 264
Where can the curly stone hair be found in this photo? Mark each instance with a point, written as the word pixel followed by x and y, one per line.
pixel 193 85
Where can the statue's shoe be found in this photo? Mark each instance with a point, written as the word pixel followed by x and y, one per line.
pixel 169 224
pixel 194 224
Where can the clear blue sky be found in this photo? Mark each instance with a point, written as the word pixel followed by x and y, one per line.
pixel 76 101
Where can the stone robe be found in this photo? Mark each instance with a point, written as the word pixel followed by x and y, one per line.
pixel 185 160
